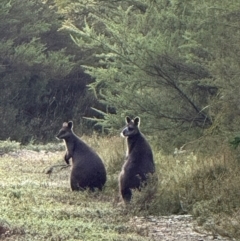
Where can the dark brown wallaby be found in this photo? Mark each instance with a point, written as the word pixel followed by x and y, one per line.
pixel 139 161
pixel 88 170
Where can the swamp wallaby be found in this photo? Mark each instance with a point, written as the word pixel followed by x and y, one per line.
pixel 88 170
pixel 139 160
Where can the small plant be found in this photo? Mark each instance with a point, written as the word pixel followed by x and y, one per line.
pixel 235 143
pixel 9 146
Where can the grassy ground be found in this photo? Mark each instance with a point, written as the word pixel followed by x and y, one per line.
pixel 36 206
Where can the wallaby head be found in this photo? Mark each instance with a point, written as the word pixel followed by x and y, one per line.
pixel 66 130
pixel 132 127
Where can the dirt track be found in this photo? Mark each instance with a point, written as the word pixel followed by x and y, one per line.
pixel 171 228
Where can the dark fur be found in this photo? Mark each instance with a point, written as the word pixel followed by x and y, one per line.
pixel 139 161
pixel 88 170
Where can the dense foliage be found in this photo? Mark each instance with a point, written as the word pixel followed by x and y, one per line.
pixel 42 84
pixel 174 63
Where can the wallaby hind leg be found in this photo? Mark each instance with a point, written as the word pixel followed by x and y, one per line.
pixel 125 190
pixel 75 186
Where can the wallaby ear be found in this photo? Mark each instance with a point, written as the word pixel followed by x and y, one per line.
pixel 70 124
pixel 127 119
pixel 137 121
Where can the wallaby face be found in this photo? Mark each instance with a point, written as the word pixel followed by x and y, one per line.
pixel 131 128
pixel 66 130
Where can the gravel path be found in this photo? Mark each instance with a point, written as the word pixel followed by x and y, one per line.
pixel 171 228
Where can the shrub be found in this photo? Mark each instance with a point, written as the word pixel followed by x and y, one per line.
pixel 8 146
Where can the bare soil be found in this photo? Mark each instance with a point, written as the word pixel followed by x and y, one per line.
pixel 174 227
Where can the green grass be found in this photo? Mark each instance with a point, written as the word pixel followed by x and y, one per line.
pixel 36 206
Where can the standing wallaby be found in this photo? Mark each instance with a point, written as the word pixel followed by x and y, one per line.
pixel 88 170
pixel 139 160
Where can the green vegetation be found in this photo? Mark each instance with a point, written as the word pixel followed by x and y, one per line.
pixel 39 74
pixel 174 63
pixel 37 206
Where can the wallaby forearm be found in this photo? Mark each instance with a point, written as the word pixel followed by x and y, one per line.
pixel 67 157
